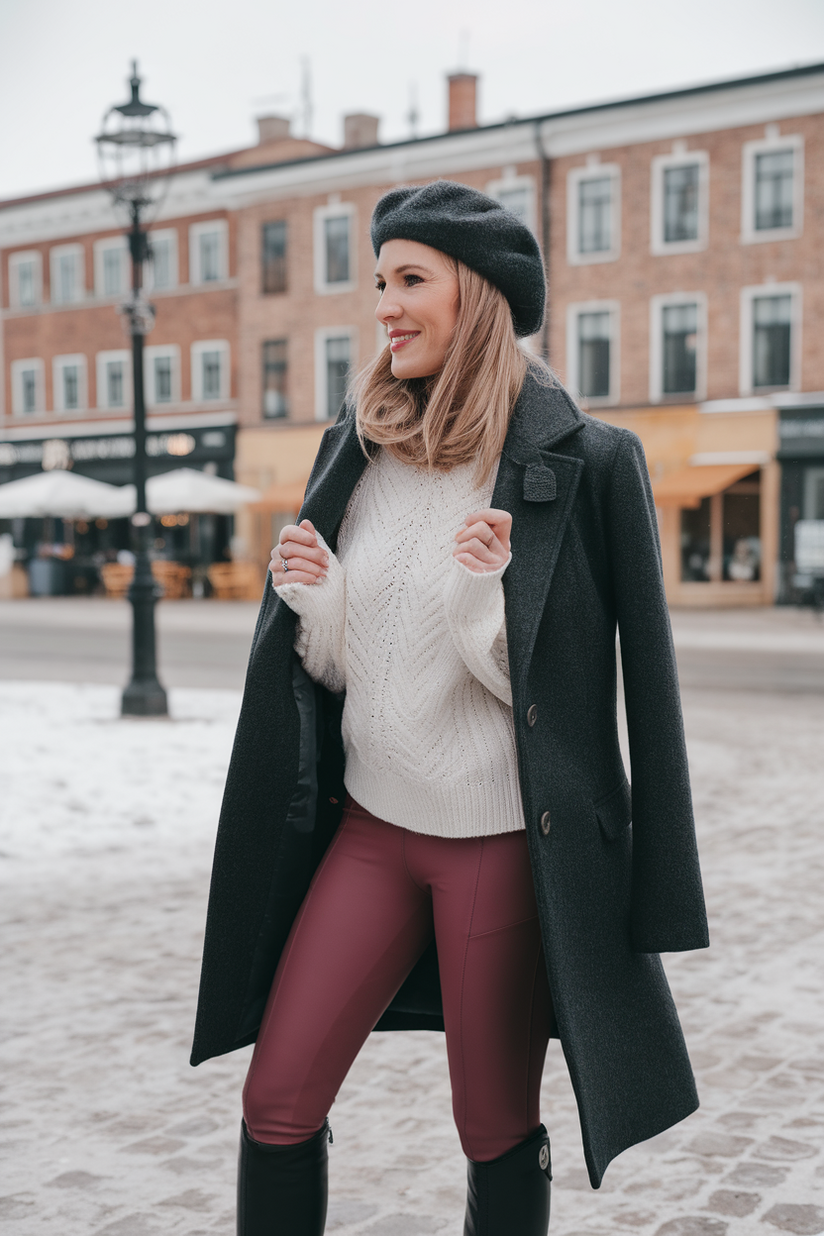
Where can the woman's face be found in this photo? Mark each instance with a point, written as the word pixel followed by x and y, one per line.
pixel 418 306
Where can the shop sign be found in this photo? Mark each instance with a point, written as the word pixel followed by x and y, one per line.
pixel 809 546
pixel 63 452
pixel 802 435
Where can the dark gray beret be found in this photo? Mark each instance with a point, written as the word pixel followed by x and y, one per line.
pixel 476 230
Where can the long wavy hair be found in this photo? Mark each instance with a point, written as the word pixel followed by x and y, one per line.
pixel 461 414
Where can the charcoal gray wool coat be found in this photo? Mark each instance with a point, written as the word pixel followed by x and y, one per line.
pixel 616 871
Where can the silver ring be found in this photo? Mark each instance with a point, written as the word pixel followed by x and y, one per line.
pixel 285 565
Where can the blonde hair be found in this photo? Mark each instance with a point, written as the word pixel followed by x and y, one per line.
pixel 461 414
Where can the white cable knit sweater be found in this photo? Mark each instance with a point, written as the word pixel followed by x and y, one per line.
pixel 418 643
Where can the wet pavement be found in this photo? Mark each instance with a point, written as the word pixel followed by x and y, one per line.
pixel 106 829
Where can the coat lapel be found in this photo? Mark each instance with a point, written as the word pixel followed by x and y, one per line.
pixel 338 467
pixel 537 486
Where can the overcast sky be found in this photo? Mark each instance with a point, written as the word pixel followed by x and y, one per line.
pixel 216 64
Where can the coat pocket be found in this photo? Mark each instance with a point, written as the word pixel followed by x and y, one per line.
pixel 614 811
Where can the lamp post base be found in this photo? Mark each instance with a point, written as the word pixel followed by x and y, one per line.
pixel 144 698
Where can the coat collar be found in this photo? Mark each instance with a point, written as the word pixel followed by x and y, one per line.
pixel 544 416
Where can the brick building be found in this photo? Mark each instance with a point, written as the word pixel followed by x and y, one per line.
pixel 683 234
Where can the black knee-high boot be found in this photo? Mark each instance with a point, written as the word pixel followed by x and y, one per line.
pixel 282 1190
pixel 511 1194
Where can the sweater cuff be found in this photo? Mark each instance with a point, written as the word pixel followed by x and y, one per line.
pixel 313 601
pixel 474 603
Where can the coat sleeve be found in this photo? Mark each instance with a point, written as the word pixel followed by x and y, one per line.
pixel 668 912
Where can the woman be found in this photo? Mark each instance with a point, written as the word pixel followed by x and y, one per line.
pixel 426 821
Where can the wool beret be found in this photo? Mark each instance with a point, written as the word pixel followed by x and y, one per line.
pixel 476 230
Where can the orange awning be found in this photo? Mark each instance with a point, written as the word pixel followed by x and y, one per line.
pixel 688 486
pixel 287 498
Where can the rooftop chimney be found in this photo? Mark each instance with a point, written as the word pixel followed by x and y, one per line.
pixel 463 89
pixel 360 130
pixel 272 129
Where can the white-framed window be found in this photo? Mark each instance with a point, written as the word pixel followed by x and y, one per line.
pixel 70 384
pixel 516 193
pixel 68 276
pixel 335 357
pixel 208 251
pixel 334 244
pixel 113 371
pixel 111 266
pixel 25 279
pixel 28 396
pixel 770 350
pixel 162 268
pixel 161 375
pixel 594 213
pixel 679 211
pixel 772 189
pixel 211 375
pixel 593 350
pixel 678 346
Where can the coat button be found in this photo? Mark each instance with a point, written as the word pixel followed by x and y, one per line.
pixel 532 714
pixel 545 823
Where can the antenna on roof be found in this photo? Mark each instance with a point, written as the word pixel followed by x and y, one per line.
pixel 413 115
pixel 306 95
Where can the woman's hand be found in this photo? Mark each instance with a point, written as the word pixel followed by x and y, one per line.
pixel 299 551
pixel 483 543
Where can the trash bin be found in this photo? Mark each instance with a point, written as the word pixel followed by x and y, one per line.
pixel 47 577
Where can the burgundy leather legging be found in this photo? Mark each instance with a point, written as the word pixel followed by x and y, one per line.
pixel 373 906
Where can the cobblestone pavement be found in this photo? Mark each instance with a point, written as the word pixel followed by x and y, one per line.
pixel 106 1131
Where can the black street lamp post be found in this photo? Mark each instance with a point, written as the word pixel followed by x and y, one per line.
pixel 136 152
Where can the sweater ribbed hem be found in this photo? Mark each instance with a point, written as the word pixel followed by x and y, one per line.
pixel 442 809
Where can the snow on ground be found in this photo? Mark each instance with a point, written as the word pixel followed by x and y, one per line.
pixel 106 833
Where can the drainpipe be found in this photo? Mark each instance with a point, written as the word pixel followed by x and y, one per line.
pixel 546 180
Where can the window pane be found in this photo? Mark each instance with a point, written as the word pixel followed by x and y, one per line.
pixel 112 272
pixel 774 189
pixel 516 200
pixel 695 542
pixel 114 384
pixel 274 256
pixel 681 203
pixel 742 531
pixel 66 278
pixel 595 215
pixel 161 263
pixel 337 372
pixel 771 340
pixel 209 256
pixel 211 374
pixel 26 286
pixel 29 385
pixel 336 232
pixel 680 329
pixel 71 387
pixel 163 379
pixel 593 354
pixel 275 402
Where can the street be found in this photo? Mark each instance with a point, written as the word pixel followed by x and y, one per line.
pixel 106 831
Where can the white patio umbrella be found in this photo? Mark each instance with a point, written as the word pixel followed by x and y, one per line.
pixel 62 494
pixel 187 489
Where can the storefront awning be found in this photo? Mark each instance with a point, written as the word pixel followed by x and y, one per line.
pixel 286 498
pixel 687 486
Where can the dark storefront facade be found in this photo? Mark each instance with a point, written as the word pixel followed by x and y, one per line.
pixel 801 454
pixel 77 550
